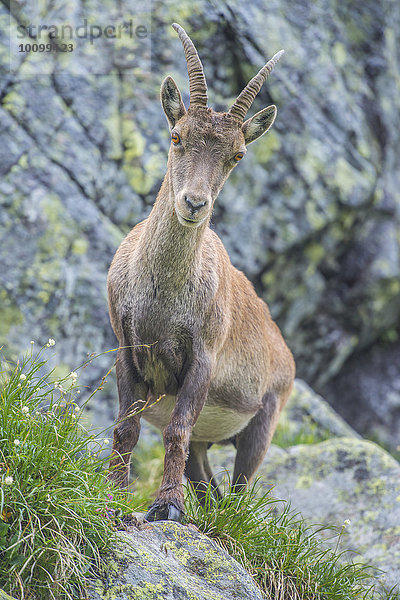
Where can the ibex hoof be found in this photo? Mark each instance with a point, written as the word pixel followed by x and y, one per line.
pixel 164 512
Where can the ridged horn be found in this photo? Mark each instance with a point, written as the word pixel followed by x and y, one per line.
pixel 197 80
pixel 246 98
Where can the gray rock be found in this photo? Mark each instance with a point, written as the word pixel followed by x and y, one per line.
pixel 307 416
pixel 169 561
pixel 340 480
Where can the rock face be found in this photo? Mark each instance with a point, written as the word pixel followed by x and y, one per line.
pixel 367 392
pixel 169 561
pixel 311 216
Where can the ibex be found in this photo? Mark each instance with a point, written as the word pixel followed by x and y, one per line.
pixel 190 326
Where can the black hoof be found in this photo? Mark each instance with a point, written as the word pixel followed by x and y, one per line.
pixel 164 512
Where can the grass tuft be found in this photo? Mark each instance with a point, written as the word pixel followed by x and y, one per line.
pixel 57 509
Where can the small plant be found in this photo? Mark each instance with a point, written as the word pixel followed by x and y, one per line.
pixel 57 509
pixel 287 559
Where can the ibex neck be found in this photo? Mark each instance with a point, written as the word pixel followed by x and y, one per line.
pixel 171 250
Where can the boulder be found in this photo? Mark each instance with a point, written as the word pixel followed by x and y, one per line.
pixel 336 481
pixel 166 560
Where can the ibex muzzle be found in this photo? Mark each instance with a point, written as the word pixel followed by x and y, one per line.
pixel 190 326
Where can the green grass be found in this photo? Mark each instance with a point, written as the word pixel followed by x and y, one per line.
pixel 57 509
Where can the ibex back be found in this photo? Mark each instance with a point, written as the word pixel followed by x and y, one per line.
pixel 189 325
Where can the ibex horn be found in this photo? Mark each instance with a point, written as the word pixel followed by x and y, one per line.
pixel 246 98
pixel 197 80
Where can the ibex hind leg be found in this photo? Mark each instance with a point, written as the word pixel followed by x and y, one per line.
pixel 198 471
pixel 253 442
pixel 127 427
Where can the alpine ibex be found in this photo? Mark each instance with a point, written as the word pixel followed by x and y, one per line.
pixel 190 326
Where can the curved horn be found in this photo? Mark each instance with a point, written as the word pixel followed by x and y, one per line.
pixel 197 80
pixel 245 99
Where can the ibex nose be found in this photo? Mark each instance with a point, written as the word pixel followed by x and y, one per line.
pixel 193 204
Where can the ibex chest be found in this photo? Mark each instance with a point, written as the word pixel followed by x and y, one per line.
pixel 158 307
pixel 156 314
pixel 161 333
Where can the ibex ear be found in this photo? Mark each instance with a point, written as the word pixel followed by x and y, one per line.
pixel 171 101
pixel 259 124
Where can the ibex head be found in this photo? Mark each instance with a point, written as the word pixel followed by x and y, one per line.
pixel 206 145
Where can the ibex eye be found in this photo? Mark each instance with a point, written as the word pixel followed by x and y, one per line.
pixel 238 156
pixel 175 139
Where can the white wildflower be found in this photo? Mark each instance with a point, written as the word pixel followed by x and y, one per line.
pixel 73 416
pixel 32 342
pixel 346 522
pixel 106 441
pixel 22 377
pixel 8 480
pixel 73 375
pixel 16 442
pixel 77 409
pixel 25 410
pixel 51 342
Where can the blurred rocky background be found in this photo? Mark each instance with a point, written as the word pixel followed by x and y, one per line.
pixel 312 215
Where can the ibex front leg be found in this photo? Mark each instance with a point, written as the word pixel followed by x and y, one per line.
pixel 189 402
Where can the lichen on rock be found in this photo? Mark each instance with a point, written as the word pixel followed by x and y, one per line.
pixel 167 560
